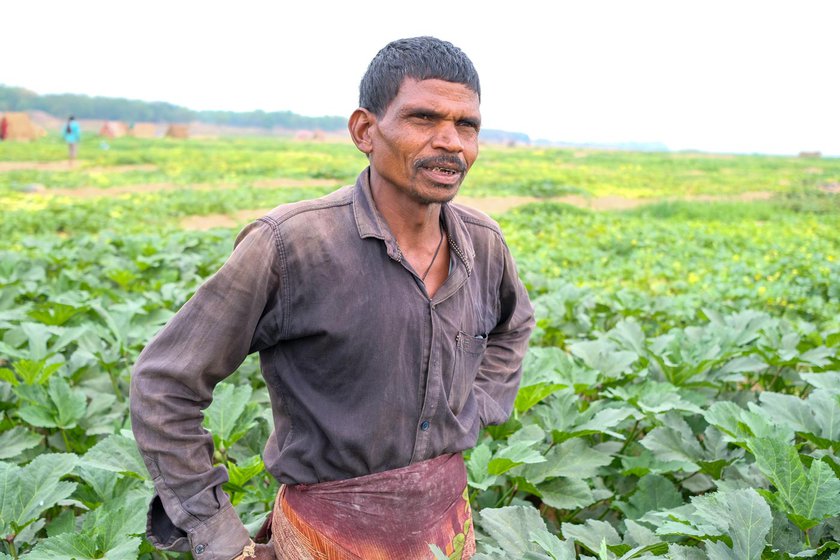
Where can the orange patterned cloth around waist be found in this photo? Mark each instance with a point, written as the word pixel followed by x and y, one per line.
pixel 394 514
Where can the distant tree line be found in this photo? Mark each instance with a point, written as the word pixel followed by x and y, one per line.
pixel 130 111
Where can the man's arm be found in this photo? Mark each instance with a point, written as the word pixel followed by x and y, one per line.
pixel 501 367
pixel 230 316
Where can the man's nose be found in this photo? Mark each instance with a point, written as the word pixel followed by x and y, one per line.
pixel 447 138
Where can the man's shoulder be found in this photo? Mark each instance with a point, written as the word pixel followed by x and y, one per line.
pixel 476 220
pixel 326 206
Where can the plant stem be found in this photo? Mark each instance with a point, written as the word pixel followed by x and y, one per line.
pixel 505 495
pixel 473 495
pixel 630 438
pixel 513 494
pixel 66 441
pixel 116 385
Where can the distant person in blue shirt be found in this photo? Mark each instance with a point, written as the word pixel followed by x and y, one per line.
pixel 72 135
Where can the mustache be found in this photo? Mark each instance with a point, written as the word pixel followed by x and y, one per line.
pixel 442 161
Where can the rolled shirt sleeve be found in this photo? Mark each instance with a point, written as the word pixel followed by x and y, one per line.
pixel 497 381
pixel 173 381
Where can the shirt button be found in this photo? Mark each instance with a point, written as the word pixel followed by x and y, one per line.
pixel 200 549
pixel 425 425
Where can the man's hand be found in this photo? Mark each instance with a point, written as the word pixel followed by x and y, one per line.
pixel 264 552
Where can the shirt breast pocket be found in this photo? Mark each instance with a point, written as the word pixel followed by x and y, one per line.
pixel 469 351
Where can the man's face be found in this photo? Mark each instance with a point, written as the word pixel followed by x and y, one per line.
pixel 426 141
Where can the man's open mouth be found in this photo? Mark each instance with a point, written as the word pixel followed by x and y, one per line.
pixel 449 166
pixel 445 170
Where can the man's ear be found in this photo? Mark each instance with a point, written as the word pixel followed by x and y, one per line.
pixel 360 124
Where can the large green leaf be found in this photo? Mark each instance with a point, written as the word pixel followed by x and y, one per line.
pixel 30 372
pixel 825 407
pixel 628 335
pixel 806 496
pixel 601 420
pixel 520 450
pixel 241 473
pixel 789 409
pixel 573 458
pixel 748 523
pixel 739 424
pixel 57 406
pixel 16 440
pixel 742 515
pixel 820 356
pixel 70 546
pixel 604 357
pixel 566 493
pixel 679 552
pixel 55 313
pixel 653 492
pixel 828 380
pixel 591 534
pixel 477 467
pixel 530 395
pixel 552 546
pixel 563 418
pixel 25 492
pixel 514 529
pixel 675 441
pixel 116 453
pixel 111 531
pixel 230 415
pixel 652 397
pixel 638 534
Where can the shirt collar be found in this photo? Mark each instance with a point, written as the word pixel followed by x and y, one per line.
pixel 370 223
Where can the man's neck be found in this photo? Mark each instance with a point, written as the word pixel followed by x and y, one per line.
pixel 412 223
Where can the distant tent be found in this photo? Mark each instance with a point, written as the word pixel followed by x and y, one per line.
pixel 113 129
pixel 143 130
pixel 20 127
pixel 304 135
pixel 178 131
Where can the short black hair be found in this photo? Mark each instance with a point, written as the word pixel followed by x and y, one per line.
pixel 420 58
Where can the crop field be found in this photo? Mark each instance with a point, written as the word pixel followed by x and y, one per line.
pixel 680 400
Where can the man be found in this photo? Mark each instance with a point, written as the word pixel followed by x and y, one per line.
pixel 391 327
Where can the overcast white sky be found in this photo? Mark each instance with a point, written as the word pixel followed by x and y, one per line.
pixel 736 75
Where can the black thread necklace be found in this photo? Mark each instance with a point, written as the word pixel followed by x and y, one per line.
pixel 437 250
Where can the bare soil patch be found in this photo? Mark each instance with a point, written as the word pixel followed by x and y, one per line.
pixel 490 205
pixel 202 223
pixel 704 155
pixel 93 192
pixel 77 166
pixel 293 183
pixel 496 204
pixel 743 197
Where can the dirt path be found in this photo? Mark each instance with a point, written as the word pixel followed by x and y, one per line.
pixel 78 166
pixel 93 192
pixel 201 223
pixel 490 205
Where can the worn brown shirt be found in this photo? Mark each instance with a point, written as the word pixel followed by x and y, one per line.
pixel 365 372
